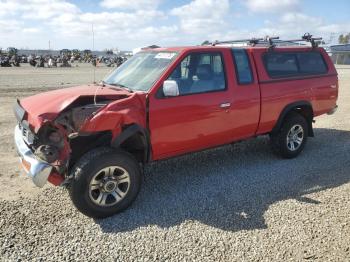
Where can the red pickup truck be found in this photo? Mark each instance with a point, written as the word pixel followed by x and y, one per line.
pixel 167 102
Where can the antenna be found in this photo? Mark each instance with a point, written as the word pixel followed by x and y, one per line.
pixel 93 47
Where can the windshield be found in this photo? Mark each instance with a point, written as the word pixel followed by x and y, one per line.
pixel 141 71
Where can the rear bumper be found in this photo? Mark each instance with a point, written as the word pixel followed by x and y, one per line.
pixel 333 110
pixel 35 168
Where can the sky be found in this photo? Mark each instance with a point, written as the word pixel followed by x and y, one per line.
pixel 129 24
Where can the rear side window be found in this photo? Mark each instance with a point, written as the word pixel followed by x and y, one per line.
pixel 243 69
pixel 279 65
pixel 311 63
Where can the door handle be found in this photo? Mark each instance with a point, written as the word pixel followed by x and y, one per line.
pixel 225 105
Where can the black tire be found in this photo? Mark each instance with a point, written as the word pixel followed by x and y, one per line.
pixel 279 139
pixel 88 166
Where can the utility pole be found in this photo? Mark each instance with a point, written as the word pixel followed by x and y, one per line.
pixel 331 38
pixel 49 45
pixel 93 47
pixel 93 37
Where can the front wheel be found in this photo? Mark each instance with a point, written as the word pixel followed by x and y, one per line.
pixel 290 140
pixel 105 182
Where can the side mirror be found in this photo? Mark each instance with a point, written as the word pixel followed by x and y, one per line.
pixel 170 88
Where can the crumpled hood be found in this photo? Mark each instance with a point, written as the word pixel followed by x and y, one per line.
pixel 48 105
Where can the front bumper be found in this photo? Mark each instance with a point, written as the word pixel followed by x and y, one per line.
pixel 37 169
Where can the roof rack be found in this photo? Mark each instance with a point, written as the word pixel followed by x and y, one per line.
pixel 267 40
pixel 307 37
pixel 252 41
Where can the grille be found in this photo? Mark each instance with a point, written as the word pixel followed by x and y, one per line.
pixel 28 136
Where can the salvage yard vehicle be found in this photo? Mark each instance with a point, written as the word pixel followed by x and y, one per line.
pixel 166 102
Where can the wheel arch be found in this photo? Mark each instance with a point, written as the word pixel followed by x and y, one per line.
pixel 84 143
pixel 302 107
pixel 134 139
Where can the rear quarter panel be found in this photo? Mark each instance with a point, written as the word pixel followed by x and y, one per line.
pixel 325 89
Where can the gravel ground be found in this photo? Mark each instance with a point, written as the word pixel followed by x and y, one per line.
pixel 235 203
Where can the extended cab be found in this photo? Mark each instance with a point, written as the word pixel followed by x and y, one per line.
pixel 166 102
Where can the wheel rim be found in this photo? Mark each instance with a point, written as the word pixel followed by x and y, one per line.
pixel 295 137
pixel 109 186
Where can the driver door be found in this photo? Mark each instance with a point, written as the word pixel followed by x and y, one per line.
pixel 197 118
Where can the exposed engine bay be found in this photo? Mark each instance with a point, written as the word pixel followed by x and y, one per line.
pixel 52 142
pixel 74 118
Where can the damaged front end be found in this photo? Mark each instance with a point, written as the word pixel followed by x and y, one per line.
pixel 37 169
pixel 45 138
pixel 45 154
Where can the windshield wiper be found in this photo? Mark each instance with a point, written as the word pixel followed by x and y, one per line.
pixel 121 87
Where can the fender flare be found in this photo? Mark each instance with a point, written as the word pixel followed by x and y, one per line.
pixel 129 132
pixel 290 107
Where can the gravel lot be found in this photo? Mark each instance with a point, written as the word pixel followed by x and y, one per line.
pixel 235 203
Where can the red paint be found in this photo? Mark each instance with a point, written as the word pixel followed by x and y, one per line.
pixel 184 124
pixel 115 115
pixel 193 122
pixel 55 178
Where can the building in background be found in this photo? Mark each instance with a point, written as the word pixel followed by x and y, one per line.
pixel 340 54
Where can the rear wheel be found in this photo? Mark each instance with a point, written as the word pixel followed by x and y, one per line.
pixel 105 182
pixel 290 140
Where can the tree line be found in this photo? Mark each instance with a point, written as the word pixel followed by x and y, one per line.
pixel 344 39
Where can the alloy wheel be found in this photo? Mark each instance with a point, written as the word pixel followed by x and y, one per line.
pixel 109 186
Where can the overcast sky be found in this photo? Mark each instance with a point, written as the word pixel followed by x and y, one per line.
pixel 127 24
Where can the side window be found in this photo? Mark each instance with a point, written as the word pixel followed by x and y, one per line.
pixel 217 65
pixel 242 64
pixel 311 63
pixel 181 71
pixel 205 59
pixel 200 73
pixel 281 65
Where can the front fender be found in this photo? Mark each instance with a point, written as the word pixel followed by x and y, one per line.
pixel 130 131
